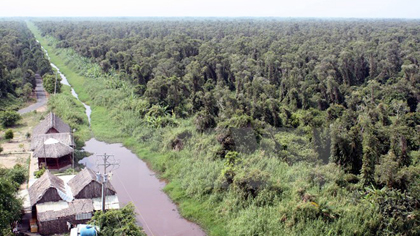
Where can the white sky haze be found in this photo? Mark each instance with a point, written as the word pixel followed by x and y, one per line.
pixel 216 8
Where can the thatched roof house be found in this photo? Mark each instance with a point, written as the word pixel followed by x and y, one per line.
pixel 58 200
pixel 85 185
pixel 52 148
pixel 53 216
pixel 48 188
pixel 39 140
pixel 52 143
pixel 51 124
pixel 54 154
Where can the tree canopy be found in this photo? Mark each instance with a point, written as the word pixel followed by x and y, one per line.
pixel 21 57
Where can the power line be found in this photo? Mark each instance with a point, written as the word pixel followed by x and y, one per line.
pixel 135 205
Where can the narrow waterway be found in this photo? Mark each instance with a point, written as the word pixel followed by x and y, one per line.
pixel 64 81
pixel 136 183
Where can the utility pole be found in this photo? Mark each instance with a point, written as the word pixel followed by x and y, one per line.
pixel 74 147
pixel 55 85
pixel 104 177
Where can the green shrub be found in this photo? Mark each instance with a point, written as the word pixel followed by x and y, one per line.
pixel 9 134
pixel 40 172
pixel 204 121
pixel 18 174
pixel 50 83
pixel 118 222
pixel 9 118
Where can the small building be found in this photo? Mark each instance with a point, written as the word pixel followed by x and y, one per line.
pixel 39 140
pixel 54 154
pixel 48 188
pixel 52 124
pixel 58 202
pixel 52 143
pixel 85 185
pixel 56 217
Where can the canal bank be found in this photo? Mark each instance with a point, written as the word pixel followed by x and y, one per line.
pixel 134 182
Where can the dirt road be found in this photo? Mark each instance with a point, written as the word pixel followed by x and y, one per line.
pixel 40 96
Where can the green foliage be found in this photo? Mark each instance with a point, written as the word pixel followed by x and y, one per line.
pixel 20 57
pixel 228 172
pixel 10 206
pixel 117 222
pixel 8 135
pixel 204 121
pixel 398 211
pixel 72 112
pixel 39 172
pixel 9 118
pixel 52 83
pixel 18 174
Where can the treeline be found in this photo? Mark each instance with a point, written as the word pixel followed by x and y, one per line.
pixel 343 92
pixel 21 57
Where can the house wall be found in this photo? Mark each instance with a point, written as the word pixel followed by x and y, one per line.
pixel 52 162
pixel 50 196
pixel 58 226
pixel 93 190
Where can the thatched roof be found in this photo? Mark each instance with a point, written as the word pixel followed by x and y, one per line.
pixel 52 148
pixel 51 121
pixel 84 178
pixel 38 140
pixel 41 186
pixel 54 210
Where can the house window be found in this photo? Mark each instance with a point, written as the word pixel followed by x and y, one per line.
pixel 84 216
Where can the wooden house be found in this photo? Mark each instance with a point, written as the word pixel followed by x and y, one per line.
pixel 48 188
pixel 39 140
pixel 52 143
pixel 85 185
pixel 55 217
pixel 57 202
pixel 54 154
pixel 50 125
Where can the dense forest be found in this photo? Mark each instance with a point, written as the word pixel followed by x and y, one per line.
pixel 21 57
pixel 295 127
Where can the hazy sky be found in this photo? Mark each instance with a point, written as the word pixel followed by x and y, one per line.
pixel 234 8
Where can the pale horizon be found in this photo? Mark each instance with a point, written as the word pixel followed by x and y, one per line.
pixel 359 9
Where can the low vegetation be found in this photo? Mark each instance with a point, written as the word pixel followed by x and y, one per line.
pixel 8 135
pixel 72 112
pixel 10 205
pixel 52 83
pixel 117 222
pixel 261 127
pixel 9 118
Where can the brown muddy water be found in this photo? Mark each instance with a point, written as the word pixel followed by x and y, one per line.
pixel 136 183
